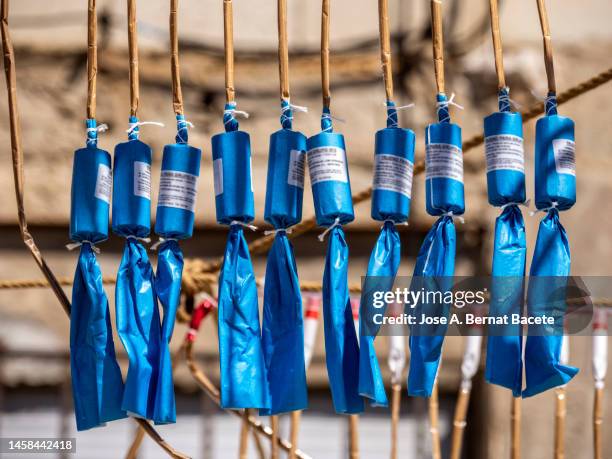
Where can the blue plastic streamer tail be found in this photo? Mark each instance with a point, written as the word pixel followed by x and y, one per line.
pixel 138 326
pixel 436 263
pixel 341 347
pixel 505 342
pixel 382 269
pixel 243 370
pixel 551 263
pixel 283 330
pixel 97 386
pixel 168 289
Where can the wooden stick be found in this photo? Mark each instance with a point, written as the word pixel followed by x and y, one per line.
pixel 274 452
pixel 560 414
pixel 325 53
pixel 283 49
pixel 133 53
pixel 396 397
pixel 385 46
pixel 228 43
pixel 459 423
pixel 436 452
pixel 295 429
pixel 177 93
pixel 244 436
pixel 497 44
pixel 353 436
pixel 136 443
pixel 92 58
pixel 438 43
pixel 548 51
pixel 597 423
pixel 515 428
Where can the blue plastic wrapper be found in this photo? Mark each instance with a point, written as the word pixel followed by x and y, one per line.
pixel 504 365
pixel 555 163
pixel 382 269
pixel 435 262
pixel 97 387
pixel 551 261
pixel 243 369
pixel 138 326
pixel 138 322
pixel 341 347
pixel 283 330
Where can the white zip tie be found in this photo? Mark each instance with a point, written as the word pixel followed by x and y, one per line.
pixel 525 204
pixel 245 225
pixel 279 230
pixel 453 216
pixel 545 209
pixel 328 229
pixel 146 240
pixel 143 123
pixel 73 245
pixel 388 220
pixel 161 240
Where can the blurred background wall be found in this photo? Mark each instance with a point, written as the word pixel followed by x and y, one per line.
pixel 50 41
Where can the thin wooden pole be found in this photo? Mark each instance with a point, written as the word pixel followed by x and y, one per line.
pixel 295 430
pixel 274 451
pixel 353 422
pixel 548 50
pixel 228 42
pixel 92 58
pixel 133 53
pixel 243 452
pixel 597 423
pixel 515 428
pixel 283 49
pixel 177 93
pixel 459 423
pixel 560 415
pixel 396 397
pixel 438 43
pixel 325 53
pixel 385 47
pixel 497 44
pixel 436 451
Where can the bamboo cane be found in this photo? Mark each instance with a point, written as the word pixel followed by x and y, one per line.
pixel 597 423
pixel 353 421
pixel 560 415
pixel 295 430
pixel 243 451
pixel 515 428
pixel 459 423
pixel 396 397
pixel 436 451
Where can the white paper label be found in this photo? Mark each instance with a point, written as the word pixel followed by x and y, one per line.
pixel 295 175
pixel 565 156
pixel 104 183
pixel 443 160
pixel 218 176
pixel 142 179
pixel 505 152
pixel 327 164
pixel 177 189
pixel 392 173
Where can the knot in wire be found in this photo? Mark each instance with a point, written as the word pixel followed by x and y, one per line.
pixel 243 224
pixel 182 133
pixel 287 109
pixel 229 117
pixel 515 203
pixel 453 216
pixel 442 104
pixel 133 130
pixel 321 236
pixel 92 132
pixel 278 230
pixel 74 245
pixel 161 240
pixel 553 206
pixel 550 103
pixel 144 240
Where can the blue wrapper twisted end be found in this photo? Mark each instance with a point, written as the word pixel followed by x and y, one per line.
pixel 503 100
pixel 182 132
pixel 92 132
pixel 442 103
pixel 326 120
pixel 168 289
pixel 134 128
pixel 392 121
pixel 550 103
pixel 286 118
pixel 229 117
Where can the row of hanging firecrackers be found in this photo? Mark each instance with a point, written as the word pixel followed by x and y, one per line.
pixel 138 321
pixel 243 369
pixel 506 189
pixel 555 190
pixel 331 189
pixel 435 262
pixel 283 327
pixel 391 191
pixel 180 170
pixel 97 386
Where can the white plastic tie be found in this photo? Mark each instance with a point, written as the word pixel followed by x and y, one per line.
pixel 554 205
pixel 145 240
pixel 388 220
pixel 243 224
pixel 453 216
pixel 74 245
pixel 450 101
pixel 133 126
pixel 295 108
pixel 100 128
pixel 161 240
pixel 506 100
pixel 278 230
pixel 234 112
pixel 525 204
pixel 328 229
